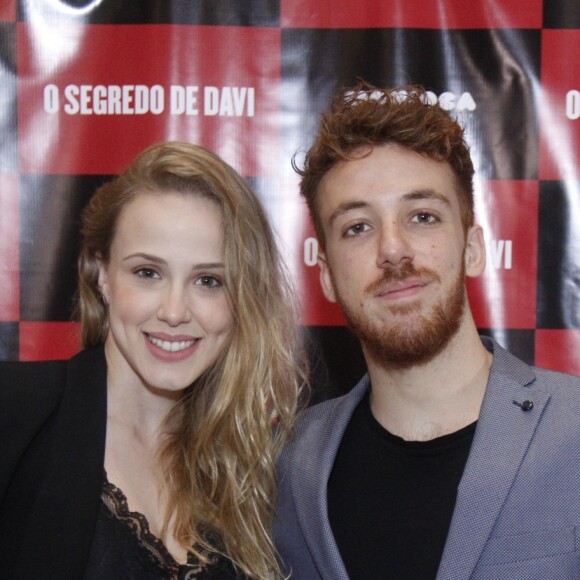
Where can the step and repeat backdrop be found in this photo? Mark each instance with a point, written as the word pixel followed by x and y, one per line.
pixel 86 84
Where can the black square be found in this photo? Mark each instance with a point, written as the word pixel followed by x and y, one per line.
pixel 9 346
pixel 203 12
pixel 8 99
pixel 520 343
pixel 561 14
pixel 457 65
pixel 336 361
pixel 558 262
pixel 50 211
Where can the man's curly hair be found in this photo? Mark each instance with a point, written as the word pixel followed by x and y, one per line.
pixel 364 116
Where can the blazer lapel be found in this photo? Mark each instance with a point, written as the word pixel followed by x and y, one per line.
pixel 310 467
pixel 502 437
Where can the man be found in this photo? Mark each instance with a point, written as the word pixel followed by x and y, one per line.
pixel 451 459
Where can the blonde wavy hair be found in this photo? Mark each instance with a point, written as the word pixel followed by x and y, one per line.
pixel 226 431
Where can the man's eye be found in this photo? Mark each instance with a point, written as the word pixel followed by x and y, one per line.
pixel 424 217
pixel 146 273
pixel 356 230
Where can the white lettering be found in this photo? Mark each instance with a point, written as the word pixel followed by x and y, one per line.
pixel 211 105
pixel 431 98
pixel 71 92
pixel 110 99
pixel 447 101
pixel 100 100
pixel 177 100
pixel 251 101
pixel 114 100
pixel 183 100
pixel 85 99
pixel 226 103
pixel 51 100
pixel 239 99
pixel 573 105
pixel 310 251
pixel 141 99
pixel 229 101
pixel 501 250
pixel 466 101
pixel 191 100
pixel 127 99
pixel 157 99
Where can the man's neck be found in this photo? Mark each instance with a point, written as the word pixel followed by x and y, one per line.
pixel 436 398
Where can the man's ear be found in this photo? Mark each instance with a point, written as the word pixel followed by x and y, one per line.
pixel 474 252
pixel 325 278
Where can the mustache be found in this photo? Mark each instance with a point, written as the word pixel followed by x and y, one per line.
pixel 401 273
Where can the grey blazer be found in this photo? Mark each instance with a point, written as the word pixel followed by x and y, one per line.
pixel 517 514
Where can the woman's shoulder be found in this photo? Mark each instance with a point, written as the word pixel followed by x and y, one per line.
pixel 34 387
pixel 19 374
pixel 30 388
pixel 42 380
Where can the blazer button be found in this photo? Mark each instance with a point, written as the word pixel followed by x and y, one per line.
pixel 527 405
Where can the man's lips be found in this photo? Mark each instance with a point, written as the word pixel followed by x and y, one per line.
pixel 401 287
pixel 402 282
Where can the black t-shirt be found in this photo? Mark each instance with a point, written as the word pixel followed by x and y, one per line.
pixel 390 501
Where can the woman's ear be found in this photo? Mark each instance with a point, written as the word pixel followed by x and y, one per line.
pixel 103 280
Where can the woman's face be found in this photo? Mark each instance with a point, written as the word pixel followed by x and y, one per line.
pixel 164 283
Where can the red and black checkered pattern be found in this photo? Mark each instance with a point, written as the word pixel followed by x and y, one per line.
pixel 86 85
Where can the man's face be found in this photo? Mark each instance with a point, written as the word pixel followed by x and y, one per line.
pixel 396 252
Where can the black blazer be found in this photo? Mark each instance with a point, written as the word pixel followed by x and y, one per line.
pixel 52 446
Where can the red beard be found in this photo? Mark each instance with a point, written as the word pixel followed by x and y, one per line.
pixel 404 344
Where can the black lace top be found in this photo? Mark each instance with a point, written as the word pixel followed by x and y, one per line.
pixel 125 549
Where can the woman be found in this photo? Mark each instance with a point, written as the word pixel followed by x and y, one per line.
pixel 151 453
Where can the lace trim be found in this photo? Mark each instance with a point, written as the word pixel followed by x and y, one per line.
pixel 116 502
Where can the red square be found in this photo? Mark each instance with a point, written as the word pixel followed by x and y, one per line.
pixel 9 248
pixel 558 350
pixel 49 340
pixel 505 296
pixel 91 97
pixel 7 10
pixel 560 107
pixel 410 14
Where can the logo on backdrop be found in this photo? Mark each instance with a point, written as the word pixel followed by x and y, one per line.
pixel 208 101
pixel 451 102
pixel 447 100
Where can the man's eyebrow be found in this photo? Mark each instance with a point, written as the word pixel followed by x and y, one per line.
pixel 420 194
pixel 344 208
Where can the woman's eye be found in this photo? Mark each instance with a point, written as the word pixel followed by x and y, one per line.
pixel 147 273
pixel 356 230
pixel 424 217
pixel 208 282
